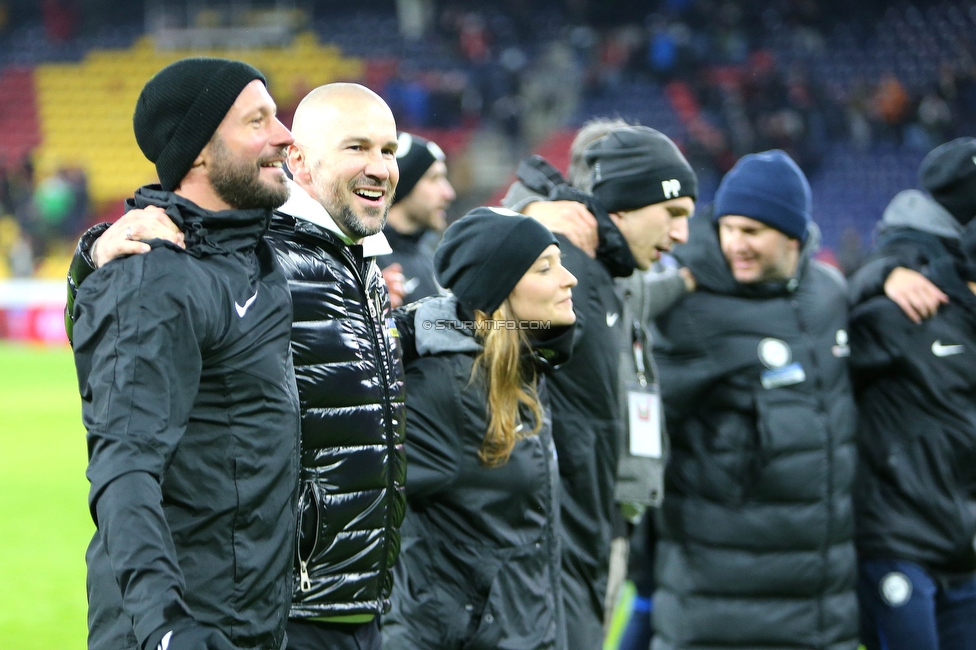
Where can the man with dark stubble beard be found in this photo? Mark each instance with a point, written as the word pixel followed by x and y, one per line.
pixel 188 393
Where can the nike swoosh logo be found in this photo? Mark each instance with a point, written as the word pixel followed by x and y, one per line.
pixel 612 319
pixel 940 350
pixel 411 285
pixel 164 643
pixel 242 309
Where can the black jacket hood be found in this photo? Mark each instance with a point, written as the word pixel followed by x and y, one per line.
pixel 206 232
pixel 613 251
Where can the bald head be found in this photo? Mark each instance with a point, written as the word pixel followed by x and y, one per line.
pixel 344 155
pixel 321 108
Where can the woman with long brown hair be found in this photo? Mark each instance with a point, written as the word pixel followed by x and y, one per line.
pixel 479 566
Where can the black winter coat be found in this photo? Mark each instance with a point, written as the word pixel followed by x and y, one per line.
pixel 350 380
pixel 415 255
pixel 480 561
pixel 915 494
pixel 756 531
pixel 189 400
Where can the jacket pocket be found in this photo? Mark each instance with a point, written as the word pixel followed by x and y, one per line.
pixel 789 421
pixel 520 609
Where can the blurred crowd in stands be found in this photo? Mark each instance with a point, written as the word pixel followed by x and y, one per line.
pixel 739 77
pixel 40 217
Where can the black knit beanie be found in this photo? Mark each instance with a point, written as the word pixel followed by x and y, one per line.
pixel 636 166
pixel 414 155
pixel 484 254
pixel 948 173
pixel 181 107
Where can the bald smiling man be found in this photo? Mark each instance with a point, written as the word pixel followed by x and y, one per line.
pixel 350 378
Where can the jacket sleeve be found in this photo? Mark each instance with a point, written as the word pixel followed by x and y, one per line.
pixel 664 289
pixel 81 267
pixel 878 333
pixel 139 361
pixel 433 427
pixel 870 279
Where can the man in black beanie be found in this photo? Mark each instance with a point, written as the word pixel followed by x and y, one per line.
pixel 643 295
pixel 416 219
pixel 188 392
pixel 917 563
pixel 643 193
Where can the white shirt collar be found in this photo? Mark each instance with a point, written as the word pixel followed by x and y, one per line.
pixel 302 206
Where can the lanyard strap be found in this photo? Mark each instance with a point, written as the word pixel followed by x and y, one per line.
pixel 639 337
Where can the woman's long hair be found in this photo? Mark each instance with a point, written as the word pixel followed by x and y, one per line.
pixel 508 387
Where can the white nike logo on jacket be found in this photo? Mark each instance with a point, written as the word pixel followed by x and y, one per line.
pixel 940 350
pixel 242 309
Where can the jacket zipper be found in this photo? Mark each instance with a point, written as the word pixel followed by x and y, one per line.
pixel 304 581
pixel 384 365
pixel 819 388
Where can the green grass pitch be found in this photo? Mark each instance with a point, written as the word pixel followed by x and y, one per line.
pixel 44 521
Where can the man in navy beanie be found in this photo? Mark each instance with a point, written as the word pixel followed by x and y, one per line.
pixel 755 537
pixel 763 208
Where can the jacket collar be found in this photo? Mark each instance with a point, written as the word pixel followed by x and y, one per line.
pixel 302 207
pixel 206 232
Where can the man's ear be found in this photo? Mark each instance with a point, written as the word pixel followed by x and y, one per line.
pixel 298 164
pixel 202 158
pixel 617 218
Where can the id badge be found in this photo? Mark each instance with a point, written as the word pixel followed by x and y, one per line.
pixel 644 409
pixel 786 376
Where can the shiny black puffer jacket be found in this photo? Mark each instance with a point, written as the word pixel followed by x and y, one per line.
pixel 350 380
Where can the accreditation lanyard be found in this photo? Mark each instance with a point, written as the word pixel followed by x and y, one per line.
pixel 643 404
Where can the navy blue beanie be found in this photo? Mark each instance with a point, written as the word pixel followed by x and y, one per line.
pixel 768 187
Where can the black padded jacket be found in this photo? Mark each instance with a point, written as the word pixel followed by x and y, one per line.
pixel 350 380
pixel 189 400
pixel 756 545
